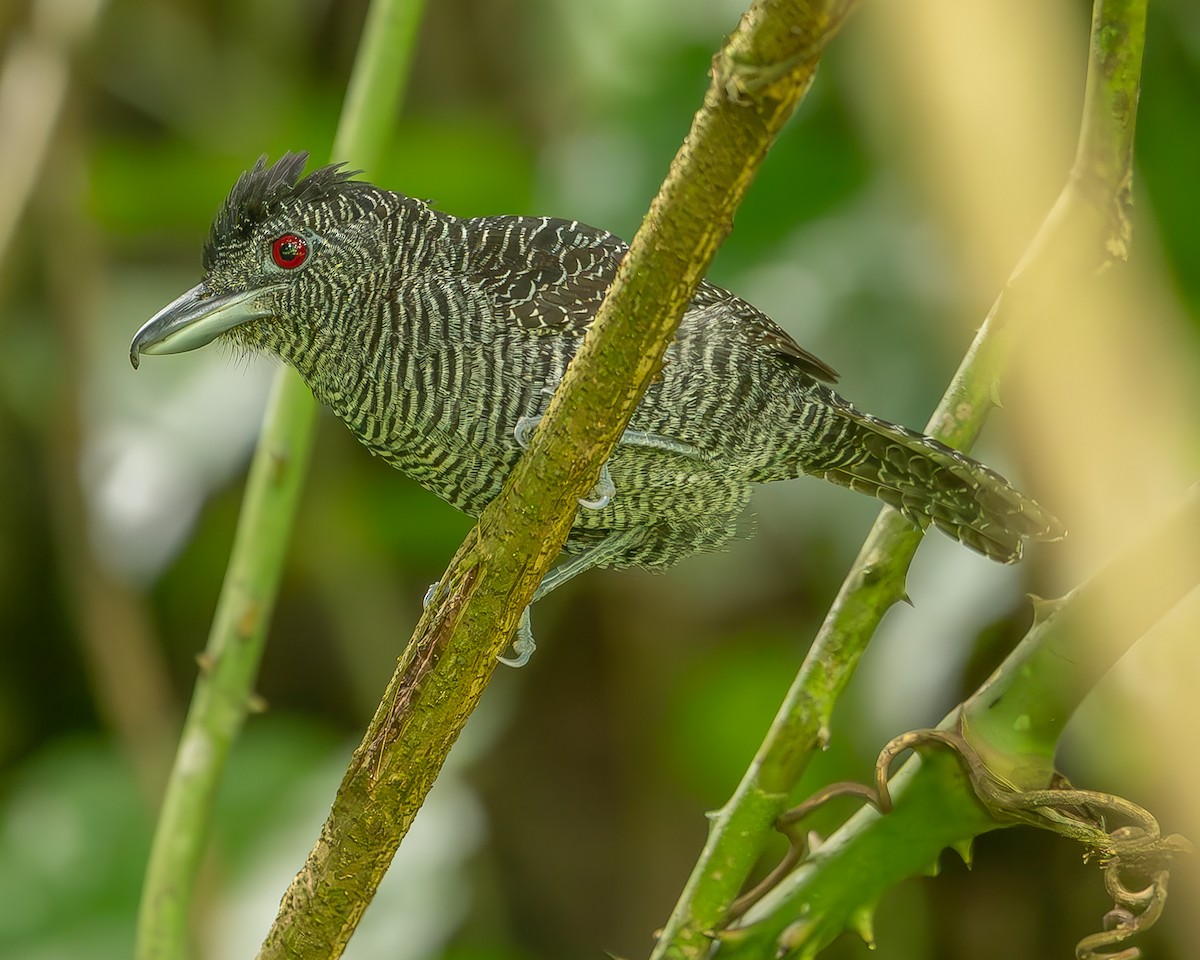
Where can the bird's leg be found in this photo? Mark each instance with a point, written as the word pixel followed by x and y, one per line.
pixel 524 645
pixel 599 496
pixel 656 441
pixel 602 493
pixel 610 547
pixel 605 489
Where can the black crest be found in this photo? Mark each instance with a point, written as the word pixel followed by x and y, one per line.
pixel 261 191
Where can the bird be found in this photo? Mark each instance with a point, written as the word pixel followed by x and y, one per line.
pixel 438 341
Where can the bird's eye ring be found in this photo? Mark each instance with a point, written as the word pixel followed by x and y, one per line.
pixel 289 251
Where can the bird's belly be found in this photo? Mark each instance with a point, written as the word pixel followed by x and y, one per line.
pixel 467 477
pixel 460 445
pixel 466 466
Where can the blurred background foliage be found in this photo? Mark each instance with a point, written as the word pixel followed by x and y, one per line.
pixel 572 809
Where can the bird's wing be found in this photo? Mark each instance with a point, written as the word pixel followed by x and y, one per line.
pixel 543 274
pixel 762 332
pixel 549 275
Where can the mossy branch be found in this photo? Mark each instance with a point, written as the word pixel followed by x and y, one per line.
pixel 1093 203
pixel 229 665
pixel 758 78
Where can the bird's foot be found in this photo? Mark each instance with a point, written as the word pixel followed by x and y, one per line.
pixel 523 431
pixel 523 645
pixel 599 496
pixel 615 545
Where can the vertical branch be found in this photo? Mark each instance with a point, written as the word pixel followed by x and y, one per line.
pixel 1105 153
pixel 229 665
pixel 34 85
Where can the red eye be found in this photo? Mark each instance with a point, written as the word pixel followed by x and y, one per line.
pixel 289 251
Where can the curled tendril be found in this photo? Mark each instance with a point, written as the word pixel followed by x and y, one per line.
pixel 1136 849
pixel 798 842
pixel 1134 912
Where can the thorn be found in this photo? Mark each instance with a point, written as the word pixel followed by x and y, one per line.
pixel 206 662
pixel 934 869
pixel 995 395
pixel 824 735
pixel 862 922
pixel 1044 609
pixel 965 850
pixel 257 703
pixel 905 598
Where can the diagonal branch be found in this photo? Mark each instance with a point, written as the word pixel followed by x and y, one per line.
pixel 758 78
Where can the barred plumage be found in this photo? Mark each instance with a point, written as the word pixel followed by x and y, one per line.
pixel 438 339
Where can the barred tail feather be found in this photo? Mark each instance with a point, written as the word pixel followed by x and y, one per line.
pixel 929 482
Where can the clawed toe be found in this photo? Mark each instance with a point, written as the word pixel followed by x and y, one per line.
pixel 524 644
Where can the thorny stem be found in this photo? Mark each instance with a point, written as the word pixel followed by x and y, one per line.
pixel 947 798
pixel 741 829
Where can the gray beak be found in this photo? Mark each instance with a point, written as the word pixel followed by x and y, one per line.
pixel 199 317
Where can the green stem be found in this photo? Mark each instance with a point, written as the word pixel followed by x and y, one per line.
pixel 229 666
pixel 758 78
pixel 378 81
pixel 224 690
pixel 1105 152
pixel 743 827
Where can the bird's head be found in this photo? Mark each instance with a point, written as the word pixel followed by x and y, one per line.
pixel 286 253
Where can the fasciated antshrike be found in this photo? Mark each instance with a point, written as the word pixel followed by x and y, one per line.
pixel 438 340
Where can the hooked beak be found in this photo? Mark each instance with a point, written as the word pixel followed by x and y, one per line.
pixel 199 317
